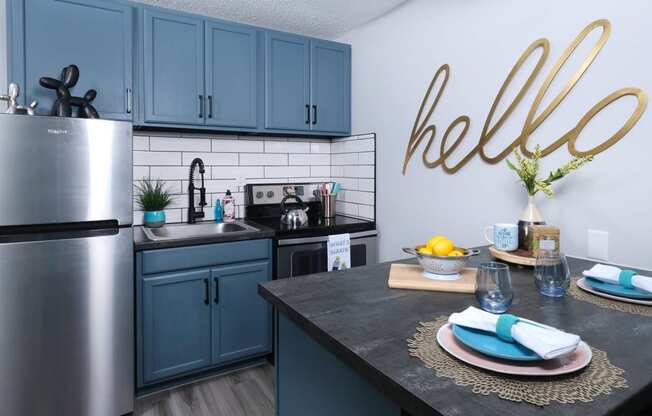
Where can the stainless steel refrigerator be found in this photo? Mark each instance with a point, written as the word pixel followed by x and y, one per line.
pixel 66 267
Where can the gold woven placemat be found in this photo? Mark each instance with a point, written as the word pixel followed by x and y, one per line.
pixel 599 378
pixel 606 303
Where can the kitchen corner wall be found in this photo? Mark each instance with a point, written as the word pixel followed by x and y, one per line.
pixel 233 161
pixel 394 60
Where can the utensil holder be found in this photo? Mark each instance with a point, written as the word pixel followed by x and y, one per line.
pixel 328 205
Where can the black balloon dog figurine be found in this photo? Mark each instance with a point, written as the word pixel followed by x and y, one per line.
pixel 63 105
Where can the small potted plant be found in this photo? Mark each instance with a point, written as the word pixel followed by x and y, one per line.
pixel 528 172
pixel 152 197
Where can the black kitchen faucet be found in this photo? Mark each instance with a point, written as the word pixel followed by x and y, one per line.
pixel 192 213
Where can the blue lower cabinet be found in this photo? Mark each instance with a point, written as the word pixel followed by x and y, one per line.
pixel 176 323
pixel 204 316
pixel 241 317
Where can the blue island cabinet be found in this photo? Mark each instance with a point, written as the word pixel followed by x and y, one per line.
pixel 96 35
pixel 199 309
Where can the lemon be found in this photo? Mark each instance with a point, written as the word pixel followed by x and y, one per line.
pixel 443 247
pixel 425 250
pixel 456 252
pixel 434 240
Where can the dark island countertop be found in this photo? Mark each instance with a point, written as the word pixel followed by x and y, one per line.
pixel 141 242
pixel 355 316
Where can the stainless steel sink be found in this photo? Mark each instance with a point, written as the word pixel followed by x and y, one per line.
pixel 198 230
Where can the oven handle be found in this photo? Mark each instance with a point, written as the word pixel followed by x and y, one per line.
pixel 323 238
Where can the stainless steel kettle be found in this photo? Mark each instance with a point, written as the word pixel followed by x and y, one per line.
pixel 294 217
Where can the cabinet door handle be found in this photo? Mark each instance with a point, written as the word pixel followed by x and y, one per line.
pixel 307 114
pixel 314 114
pixel 130 104
pixel 210 106
pixel 201 106
pixel 217 290
pixel 207 293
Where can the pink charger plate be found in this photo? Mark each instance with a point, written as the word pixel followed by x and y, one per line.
pixel 569 363
pixel 585 287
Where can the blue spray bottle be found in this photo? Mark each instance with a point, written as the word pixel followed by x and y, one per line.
pixel 218 211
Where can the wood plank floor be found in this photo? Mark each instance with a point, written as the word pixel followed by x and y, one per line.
pixel 249 392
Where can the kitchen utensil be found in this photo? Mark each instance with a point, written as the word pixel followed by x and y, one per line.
pixel 495 292
pixel 617 290
pixel 328 204
pixel 505 236
pixel 570 363
pixel 489 344
pixel 410 276
pixel 442 265
pixel 294 216
pixel 582 284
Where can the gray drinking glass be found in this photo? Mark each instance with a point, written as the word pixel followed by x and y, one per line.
pixel 551 274
pixel 495 292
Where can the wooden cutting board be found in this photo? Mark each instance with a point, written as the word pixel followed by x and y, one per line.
pixel 410 276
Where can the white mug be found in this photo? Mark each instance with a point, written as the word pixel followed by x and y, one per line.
pixel 505 236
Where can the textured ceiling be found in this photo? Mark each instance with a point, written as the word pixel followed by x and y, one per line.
pixel 322 18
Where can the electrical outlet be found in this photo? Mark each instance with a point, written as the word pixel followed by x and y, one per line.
pixel 598 245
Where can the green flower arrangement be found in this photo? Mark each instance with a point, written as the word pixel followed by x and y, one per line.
pixel 152 195
pixel 528 170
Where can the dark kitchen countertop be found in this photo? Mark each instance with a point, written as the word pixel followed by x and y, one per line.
pixel 358 318
pixel 141 242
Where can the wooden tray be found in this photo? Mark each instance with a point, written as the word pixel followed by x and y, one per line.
pixel 521 257
pixel 410 276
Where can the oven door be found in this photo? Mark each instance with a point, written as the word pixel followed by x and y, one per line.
pixel 300 256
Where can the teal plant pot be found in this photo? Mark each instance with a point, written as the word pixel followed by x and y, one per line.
pixel 154 219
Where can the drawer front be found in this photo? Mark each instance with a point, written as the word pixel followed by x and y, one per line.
pixel 170 259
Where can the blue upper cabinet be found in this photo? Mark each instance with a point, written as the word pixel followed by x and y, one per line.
pixel 231 65
pixel 330 86
pixel 173 68
pixel 47 35
pixel 287 82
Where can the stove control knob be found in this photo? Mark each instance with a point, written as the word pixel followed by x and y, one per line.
pixel 259 194
pixel 270 194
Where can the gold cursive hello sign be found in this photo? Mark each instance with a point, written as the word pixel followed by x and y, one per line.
pixel 422 129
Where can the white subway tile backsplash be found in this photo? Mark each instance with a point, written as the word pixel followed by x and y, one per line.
pixel 143 158
pixel 323 171
pixel 283 146
pixel 358 197
pixel 366 211
pixel 169 172
pixel 286 171
pixel 320 147
pixel 347 183
pixel 141 172
pixel 239 145
pixel 366 184
pixel 141 142
pixel 263 159
pixel 232 161
pixel 179 144
pixel 236 172
pixel 310 159
pixel 212 159
pixel 344 159
pixel 367 158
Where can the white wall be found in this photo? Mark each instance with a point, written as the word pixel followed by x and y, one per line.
pixel 394 59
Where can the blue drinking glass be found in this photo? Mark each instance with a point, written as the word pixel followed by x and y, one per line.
pixel 495 292
pixel 551 274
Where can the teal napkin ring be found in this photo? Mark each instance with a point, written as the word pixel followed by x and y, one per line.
pixel 625 278
pixel 504 327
